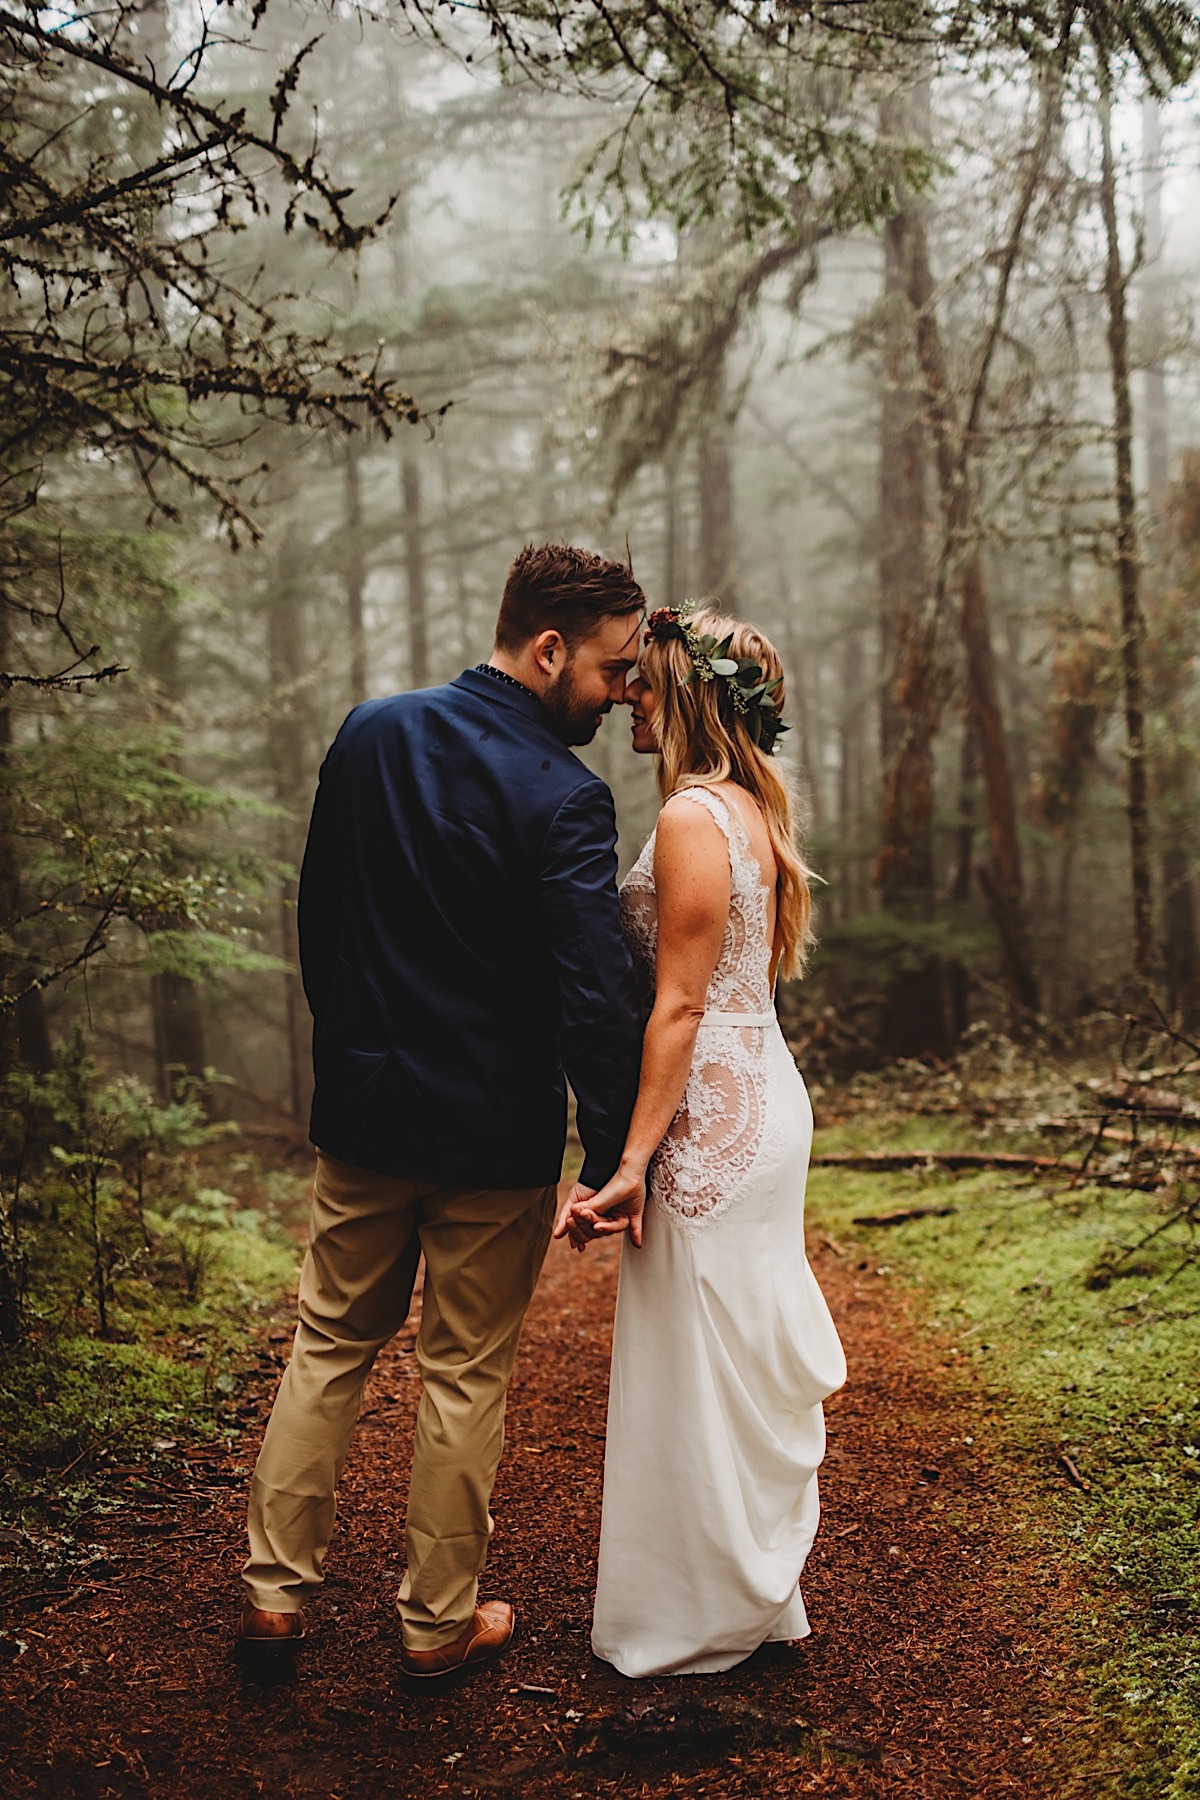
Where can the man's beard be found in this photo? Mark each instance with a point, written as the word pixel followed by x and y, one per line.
pixel 576 721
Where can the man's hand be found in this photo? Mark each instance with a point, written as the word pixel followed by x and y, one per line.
pixel 566 1225
pixel 619 1206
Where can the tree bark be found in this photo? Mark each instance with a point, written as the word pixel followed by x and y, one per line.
pixel 1157 423
pixel 968 778
pixel 714 468
pixel 1175 775
pixel 176 1006
pixel 915 1019
pixel 287 760
pixel 1128 573
pixel 802 670
pixel 910 689
pixel 671 585
pixel 852 775
pixel 414 573
pixel 179 1047
pixel 957 451
pixel 24 1032
pixel 10 886
pixel 354 574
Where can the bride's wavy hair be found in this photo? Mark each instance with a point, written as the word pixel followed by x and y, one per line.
pixel 704 740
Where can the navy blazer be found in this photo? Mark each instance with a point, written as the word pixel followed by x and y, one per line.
pixel 461 944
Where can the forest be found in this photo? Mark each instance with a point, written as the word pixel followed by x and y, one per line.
pixel 876 319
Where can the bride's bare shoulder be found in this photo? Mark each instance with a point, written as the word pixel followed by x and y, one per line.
pixel 688 824
pixel 691 809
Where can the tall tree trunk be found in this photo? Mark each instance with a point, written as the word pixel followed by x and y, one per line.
pixel 963 882
pixel 910 691
pixel 24 1033
pixel 33 1030
pixel 1128 577
pixel 414 573
pixel 958 450
pixel 912 686
pixel 802 684
pixel 10 885
pixel 354 572
pixel 1002 878
pixel 175 1002
pixel 176 1005
pixel 968 779
pixel 1174 773
pixel 1157 423
pixel 288 762
pixel 671 584
pixel 851 773
pixel 714 468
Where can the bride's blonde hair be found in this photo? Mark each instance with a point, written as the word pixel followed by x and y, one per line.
pixel 704 740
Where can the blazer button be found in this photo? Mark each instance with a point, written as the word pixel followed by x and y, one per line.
pixel 545 765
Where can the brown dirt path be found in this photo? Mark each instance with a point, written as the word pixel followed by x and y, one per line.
pixel 928 1672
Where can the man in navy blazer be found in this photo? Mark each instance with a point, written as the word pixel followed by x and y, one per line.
pixel 462 954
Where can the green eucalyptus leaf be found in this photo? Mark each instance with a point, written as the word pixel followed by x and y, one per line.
pixel 723 666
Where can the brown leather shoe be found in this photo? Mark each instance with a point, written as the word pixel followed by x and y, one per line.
pixel 268 1633
pixel 488 1635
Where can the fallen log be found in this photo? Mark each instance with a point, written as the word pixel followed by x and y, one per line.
pixel 1082 1126
pixel 903 1214
pixel 1150 1102
pixel 883 1162
pixel 886 1160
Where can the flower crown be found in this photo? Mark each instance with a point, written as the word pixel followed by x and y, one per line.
pixel 753 698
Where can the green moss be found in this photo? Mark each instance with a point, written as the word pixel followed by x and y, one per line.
pixel 1105 1375
pixel 65 1399
pixel 73 1405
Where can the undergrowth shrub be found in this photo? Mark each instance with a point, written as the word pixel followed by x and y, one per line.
pixel 61 1409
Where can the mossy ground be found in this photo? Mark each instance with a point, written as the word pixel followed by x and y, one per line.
pixel 1107 1376
pixel 76 1407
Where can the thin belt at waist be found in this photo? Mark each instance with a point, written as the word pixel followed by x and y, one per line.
pixel 735 1018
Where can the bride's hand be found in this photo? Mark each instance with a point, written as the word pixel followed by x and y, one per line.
pixel 619 1206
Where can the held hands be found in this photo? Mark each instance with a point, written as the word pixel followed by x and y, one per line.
pixel 618 1206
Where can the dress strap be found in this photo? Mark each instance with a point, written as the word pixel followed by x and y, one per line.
pixel 718 808
pixel 739 1018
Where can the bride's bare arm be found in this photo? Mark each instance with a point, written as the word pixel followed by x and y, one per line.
pixel 691 881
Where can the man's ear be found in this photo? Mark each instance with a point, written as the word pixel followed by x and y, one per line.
pixel 549 651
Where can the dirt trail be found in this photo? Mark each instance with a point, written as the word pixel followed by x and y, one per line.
pixel 928 1672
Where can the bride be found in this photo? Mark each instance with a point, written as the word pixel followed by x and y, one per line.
pixel 723 1347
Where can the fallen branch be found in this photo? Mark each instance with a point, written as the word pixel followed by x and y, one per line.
pixel 1148 1102
pixel 882 1162
pixel 885 1160
pixel 1076 1479
pixel 904 1214
pixel 1080 1123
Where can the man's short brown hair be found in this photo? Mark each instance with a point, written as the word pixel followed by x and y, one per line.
pixel 558 587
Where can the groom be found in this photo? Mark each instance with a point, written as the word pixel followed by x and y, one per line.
pixel 461 946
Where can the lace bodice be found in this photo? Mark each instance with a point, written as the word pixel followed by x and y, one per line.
pixel 717 1135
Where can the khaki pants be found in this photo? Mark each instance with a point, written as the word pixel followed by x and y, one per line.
pixel 483 1251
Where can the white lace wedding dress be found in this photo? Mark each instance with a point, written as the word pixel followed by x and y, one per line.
pixel 723 1347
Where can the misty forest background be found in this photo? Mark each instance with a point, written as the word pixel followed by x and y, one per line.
pixel 876 320
pixel 310 320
